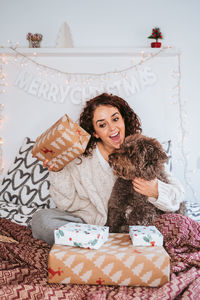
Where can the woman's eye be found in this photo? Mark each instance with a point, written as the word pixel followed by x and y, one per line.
pixel 116 119
pixel 102 125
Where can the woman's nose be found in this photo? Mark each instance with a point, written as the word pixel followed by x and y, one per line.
pixel 112 126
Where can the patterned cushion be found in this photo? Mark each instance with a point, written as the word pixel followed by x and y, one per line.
pixel 25 187
pixel 193 210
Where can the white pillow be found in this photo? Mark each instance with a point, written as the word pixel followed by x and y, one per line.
pixel 193 210
pixel 25 188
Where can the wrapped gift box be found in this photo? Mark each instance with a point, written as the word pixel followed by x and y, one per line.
pixel 61 143
pixel 145 236
pixel 81 235
pixel 117 262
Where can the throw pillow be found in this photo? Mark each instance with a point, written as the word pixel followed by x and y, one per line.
pixel 25 188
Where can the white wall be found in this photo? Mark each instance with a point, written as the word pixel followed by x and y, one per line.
pixel 119 23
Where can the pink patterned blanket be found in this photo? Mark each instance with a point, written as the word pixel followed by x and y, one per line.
pixel 23 266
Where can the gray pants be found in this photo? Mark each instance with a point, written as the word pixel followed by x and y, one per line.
pixel 45 221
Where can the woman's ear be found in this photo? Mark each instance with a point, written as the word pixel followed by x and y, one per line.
pixel 95 135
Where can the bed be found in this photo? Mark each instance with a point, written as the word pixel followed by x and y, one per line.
pixel 24 260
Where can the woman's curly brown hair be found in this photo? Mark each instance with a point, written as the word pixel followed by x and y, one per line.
pixel 131 120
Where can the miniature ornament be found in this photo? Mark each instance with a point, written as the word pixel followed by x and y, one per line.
pixel 64 39
pixel 156 34
pixel 34 39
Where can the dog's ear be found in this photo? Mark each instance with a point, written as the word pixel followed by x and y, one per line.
pixel 162 156
pixel 118 162
pixel 153 161
pixel 154 153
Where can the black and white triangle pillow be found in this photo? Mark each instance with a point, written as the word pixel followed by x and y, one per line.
pixel 25 188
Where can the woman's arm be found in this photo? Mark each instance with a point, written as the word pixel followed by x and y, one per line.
pixel 165 196
pixel 62 189
pixel 77 189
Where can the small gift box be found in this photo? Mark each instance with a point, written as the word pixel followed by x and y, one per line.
pixel 81 235
pixel 61 143
pixel 145 236
pixel 117 262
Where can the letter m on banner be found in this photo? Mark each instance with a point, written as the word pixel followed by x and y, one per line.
pixel 23 80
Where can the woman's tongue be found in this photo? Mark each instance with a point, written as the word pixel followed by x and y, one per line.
pixel 115 137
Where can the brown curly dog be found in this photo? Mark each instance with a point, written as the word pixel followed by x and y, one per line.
pixel 138 156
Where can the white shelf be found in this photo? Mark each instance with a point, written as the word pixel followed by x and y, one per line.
pixel 92 52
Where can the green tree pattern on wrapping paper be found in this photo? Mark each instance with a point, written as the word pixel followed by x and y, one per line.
pixel 147 238
pixel 93 243
pixel 78 244
pixel 59 233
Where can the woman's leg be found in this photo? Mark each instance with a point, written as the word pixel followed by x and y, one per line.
pixel 45 221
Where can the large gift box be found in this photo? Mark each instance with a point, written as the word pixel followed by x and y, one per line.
pixel 117 262
pixel 145 236
pixel 81 235
pixel 61 143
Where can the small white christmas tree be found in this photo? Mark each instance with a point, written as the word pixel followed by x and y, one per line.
pixel 64 39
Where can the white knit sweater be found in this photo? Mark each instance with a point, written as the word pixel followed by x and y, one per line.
pixel 83 189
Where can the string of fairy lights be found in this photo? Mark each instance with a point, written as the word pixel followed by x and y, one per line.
pixel 183 128
pixel 2 91
pixel 144 58
pixel 86 79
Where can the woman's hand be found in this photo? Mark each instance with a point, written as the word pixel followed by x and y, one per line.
pixel 45 165
pixel 147 188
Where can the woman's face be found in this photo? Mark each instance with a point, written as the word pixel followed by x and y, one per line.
pixel 109 127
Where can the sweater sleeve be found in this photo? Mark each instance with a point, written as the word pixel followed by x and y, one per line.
pixel 73 190
pixel 170 195
pixel 62 188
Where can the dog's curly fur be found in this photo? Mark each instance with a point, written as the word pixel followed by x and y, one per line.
pixel 138 156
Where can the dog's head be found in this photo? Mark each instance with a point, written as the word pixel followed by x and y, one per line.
pixel 138 156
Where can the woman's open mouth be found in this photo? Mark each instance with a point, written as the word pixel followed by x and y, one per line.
pixel 115 137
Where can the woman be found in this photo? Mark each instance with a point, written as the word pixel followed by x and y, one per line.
pixel 82 189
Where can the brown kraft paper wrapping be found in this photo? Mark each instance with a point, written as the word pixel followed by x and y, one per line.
pixel 61 143
pixel 117 262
